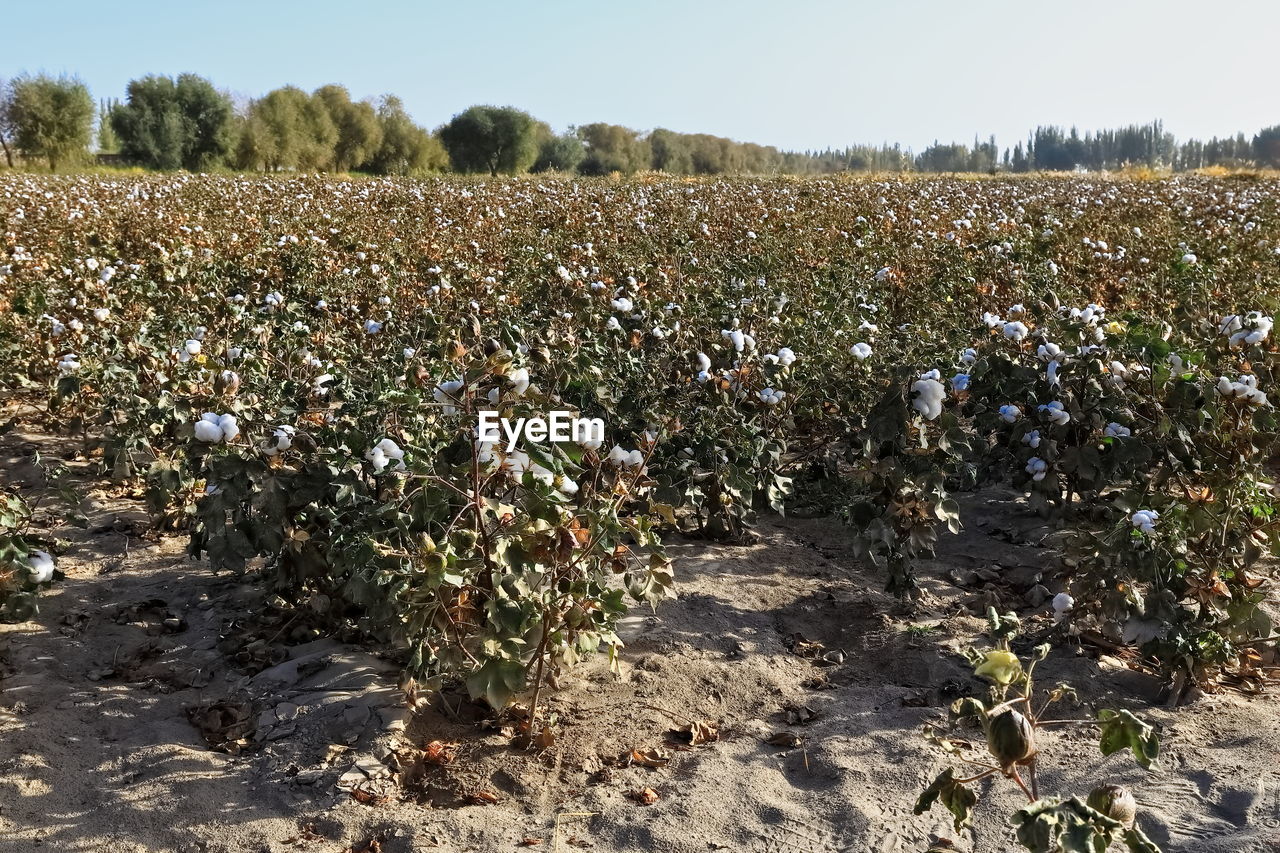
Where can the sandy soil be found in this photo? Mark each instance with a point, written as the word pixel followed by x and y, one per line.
pixel 98 750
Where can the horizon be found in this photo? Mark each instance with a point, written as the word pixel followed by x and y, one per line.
pixel 701 83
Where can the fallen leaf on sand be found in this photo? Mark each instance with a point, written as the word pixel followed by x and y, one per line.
pixel 697 733
pixel 645 796
pixel 652 757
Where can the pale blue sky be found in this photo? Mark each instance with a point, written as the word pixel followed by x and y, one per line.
pixel 796 74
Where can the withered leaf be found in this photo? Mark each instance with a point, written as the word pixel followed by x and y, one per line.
pixel 652 757
pixel 697 732
pixel 645 796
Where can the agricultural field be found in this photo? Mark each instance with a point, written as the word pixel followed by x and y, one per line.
pixel 925 512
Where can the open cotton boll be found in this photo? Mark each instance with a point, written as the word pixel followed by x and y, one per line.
pixel 1037 468
pixel 445 395
pixel 1062 606
pixel 704 362
pixel 372 327
pixel 280 441
pixel 208 429
pixel 1145 520
pixel 384 453
pixel 1056 413
pixel 1190 259
pixel 736 337
pixel 519 379
pixel 960 382
pixel 69 364
pixel 1015 331
pixel 770 397
pixel 1010 413
pixel 1115 430
pixel 1032 439
pixel 1050 352
pixel 861 351
pixel 42 565
pixel 612 324
pixel 101 314
pixel 969 356
pixel 229 427
pixel 993 321
pixel 928 395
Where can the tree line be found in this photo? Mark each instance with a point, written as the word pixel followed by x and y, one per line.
pixel 185 122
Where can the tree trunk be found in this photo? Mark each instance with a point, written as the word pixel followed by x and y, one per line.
pixel 8 154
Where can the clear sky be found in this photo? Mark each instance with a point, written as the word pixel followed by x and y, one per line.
pixel 796 74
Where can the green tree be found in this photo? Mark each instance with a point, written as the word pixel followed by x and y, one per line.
pixel 358 126
pixel 287 129
pixel 1266 147
pixel 6 123
pixel 560 153
pixel 171 124
pixel 612 148
pixel 491 139
pixel 52 117
pixel 108 142
pixel 670 152
pixel 405 148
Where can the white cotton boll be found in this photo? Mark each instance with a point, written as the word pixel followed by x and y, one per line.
pixel 42 565
pixel 770 397
pixel 372 327
pixel 384 453
pixel 192 347
pixel 1050 352
pixel 1056 413
pixel 1175 362
pixel 869 328
pixel 623 305
pixel 1010 413
pixel 1032 439
pixel 208 429
pixel 928 395
pixel 960 382
pixel 1145 520
pixel 736 337
pixel 612 324
pixel 969 356
pixel 229 427
pixel 69 364
pixel 519 380
pixel 658 332
pixel 1015 331
pixel 1190 259
pixel 704 362
pixel 445 394
pixel 1115 430
pixel 1037 468
pixel 786 357
pixel 1063 604
pixel 861 351
pixel 101 314
pixel 992 320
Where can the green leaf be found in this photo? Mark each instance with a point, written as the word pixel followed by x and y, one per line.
pixel 955 797
pixel 497 681
pixel 1122 730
